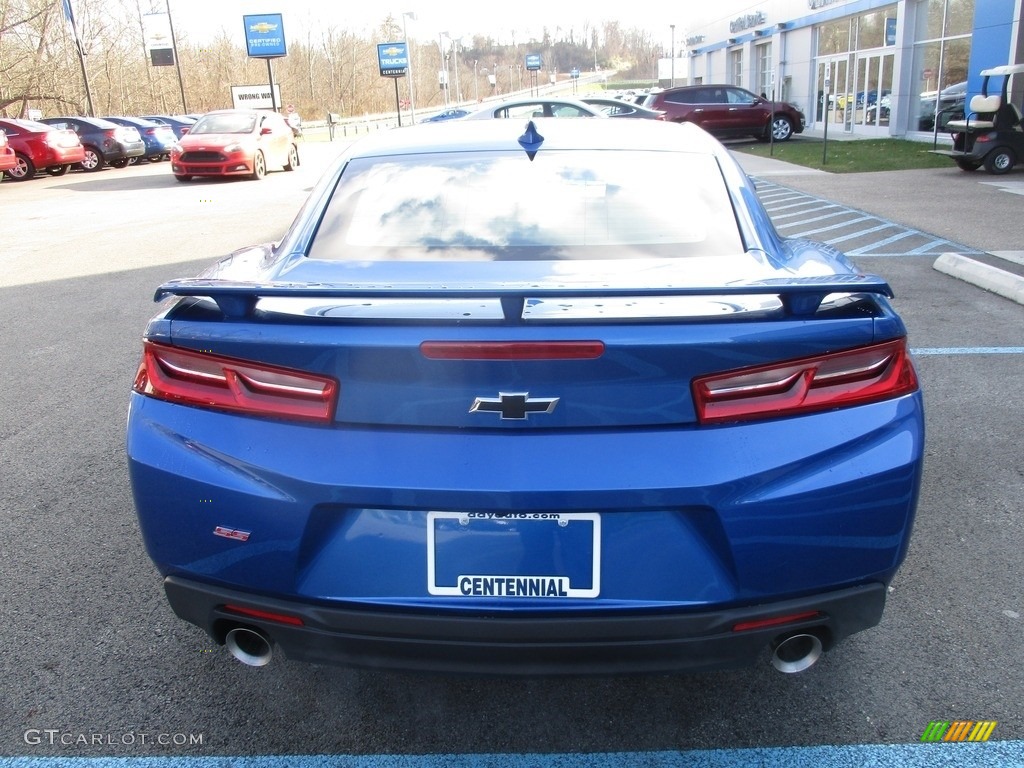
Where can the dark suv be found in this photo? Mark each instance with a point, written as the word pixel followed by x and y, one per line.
pixel 728 112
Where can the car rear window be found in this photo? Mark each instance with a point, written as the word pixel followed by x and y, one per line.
pixel 505 206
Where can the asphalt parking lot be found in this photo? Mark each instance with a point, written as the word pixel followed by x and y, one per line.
pixel 95 664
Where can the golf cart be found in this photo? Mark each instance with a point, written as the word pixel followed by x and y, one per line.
pixel 991 133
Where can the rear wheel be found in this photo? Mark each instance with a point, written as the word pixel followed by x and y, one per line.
pixel 23 170
pixel 259 166
pixel 93 160
pixel 58 170
pixel 967 165
pixel 293 159
pixel 121 163
pixel 1000 161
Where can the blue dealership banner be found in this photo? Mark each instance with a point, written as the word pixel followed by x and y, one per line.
pixel 264 35
pixel 393 59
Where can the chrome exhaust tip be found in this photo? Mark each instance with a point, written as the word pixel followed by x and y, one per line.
pixel 795 653
pixel 249 646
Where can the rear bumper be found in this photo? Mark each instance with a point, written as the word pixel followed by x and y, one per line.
pixel 62 157
pixel 613 643
pixel 124 152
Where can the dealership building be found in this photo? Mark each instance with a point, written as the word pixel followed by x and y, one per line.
pixel 866 67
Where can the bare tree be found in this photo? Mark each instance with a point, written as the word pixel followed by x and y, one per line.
pixel 334 70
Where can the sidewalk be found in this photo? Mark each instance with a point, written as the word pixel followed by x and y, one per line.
pixel 977 209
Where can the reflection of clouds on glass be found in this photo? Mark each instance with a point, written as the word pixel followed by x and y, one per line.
pixel 558 201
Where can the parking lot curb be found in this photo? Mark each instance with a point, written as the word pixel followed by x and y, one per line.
pixel 998 281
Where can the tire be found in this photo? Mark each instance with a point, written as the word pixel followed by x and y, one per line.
pixel 967 165
pixel 24 170
pixel 93 161
pixel 1000 161
pixel 123 163
pixel 183 177
pixel 259 166
pixel 58 170
pixel 782 129
pixel 293 159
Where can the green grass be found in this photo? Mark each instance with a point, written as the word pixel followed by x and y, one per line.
pixel 852 156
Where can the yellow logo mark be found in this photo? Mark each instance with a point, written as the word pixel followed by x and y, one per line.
pixel 263 26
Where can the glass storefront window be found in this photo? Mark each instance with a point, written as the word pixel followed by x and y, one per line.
pixel 736 65
pixel 944 18
pixel 764 68
pixel 930 14
pixel 834 37
pixel 960 17
pixel 942 53
pixel 942 68
pixel 871 28
pixel 852 55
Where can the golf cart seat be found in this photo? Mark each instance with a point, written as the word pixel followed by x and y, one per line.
pixel 983 110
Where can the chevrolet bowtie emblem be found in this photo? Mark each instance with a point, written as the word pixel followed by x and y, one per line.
pixel 514 405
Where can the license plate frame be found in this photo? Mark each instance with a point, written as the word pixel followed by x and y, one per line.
pixel 447 531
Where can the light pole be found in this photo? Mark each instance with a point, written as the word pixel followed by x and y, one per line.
pixel 476 81
pixel 443 74
pixel 672 83
pixel 408 69
pixel 458 88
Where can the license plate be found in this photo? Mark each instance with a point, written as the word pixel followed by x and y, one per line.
pixel 518 554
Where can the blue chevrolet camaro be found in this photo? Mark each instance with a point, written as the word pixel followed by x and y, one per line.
pixel 501 402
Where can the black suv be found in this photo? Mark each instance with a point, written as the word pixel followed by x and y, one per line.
pixel 728 112
pixel 104 141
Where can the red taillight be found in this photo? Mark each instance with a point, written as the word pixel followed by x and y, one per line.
pixel 255 613
pixel 213 381
pixel 851 377
pixel 512 350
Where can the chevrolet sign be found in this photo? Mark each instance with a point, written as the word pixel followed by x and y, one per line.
pixel 393 59
pixel 264 36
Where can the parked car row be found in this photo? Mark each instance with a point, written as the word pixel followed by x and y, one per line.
pixel 56 144
pixel 724 111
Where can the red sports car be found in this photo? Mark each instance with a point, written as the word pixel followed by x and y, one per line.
pixel 235 142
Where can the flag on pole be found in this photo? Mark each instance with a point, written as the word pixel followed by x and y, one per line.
pixel 70 16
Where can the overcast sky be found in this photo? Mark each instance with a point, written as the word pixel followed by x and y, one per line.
pixel 201 19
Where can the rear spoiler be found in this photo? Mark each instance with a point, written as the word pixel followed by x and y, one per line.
pixel 800 295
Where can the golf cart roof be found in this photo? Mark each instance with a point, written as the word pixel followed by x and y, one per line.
pixel 1006 69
